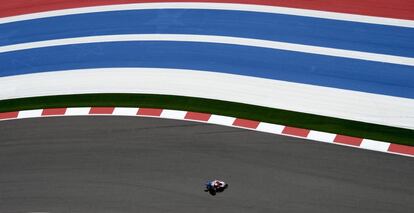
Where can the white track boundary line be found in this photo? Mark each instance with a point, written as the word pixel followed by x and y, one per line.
pixel 383 58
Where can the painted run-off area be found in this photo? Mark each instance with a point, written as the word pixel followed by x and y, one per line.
pixel 293 6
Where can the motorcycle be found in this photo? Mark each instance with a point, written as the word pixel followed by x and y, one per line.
pixel 213 189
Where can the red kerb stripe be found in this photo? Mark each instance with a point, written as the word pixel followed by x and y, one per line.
pixel 53 111
pixel 101 110
pixel 8 115
pixel 149 111
pixel 198 116
pixel 246 123
pixel 343 139
pixel 403 149
pixel 296 131
pixel 403 9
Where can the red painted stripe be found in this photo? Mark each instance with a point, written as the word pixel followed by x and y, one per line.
pixel 408 150
pixel 296 131
pixel 149 112
pixel 197 116
pixel 101 110
pixel 53 111
pixel 343 139
pixel 403 9
pixel 8 115
pixel 246 123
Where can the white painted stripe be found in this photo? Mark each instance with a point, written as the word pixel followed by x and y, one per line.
pixel 173 114
pixel 217 6
pixel 402 154
pixel 30 113
pixel 346 104
pixel 78 111
pixel 216 39
pixel 375 145
pixel 270 128
pixel 221 120
pixel 125 111
pixel 321 136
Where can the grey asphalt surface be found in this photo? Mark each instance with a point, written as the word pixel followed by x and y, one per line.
pixel 126 164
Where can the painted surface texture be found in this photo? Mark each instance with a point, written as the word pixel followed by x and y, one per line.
pixel 357 59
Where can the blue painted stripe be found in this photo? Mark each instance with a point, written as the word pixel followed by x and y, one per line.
pixel 276 27
pixel 358 75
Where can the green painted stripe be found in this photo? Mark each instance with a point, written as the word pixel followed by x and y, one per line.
pixel 283 117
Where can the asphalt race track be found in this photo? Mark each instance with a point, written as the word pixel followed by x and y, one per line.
pixel 127 164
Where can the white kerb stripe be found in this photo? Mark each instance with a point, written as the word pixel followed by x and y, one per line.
pixel 270 128
pixel 221 120
pixel 30 113
pixel 321 136
pixel 375 145
pixel 77 111
pixel 216 39
pixel 216 6
pixel 127 111
pixel 173 114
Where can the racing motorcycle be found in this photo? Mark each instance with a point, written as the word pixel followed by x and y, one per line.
pixel 215 186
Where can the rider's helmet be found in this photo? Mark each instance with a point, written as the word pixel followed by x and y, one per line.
pixel 217 183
